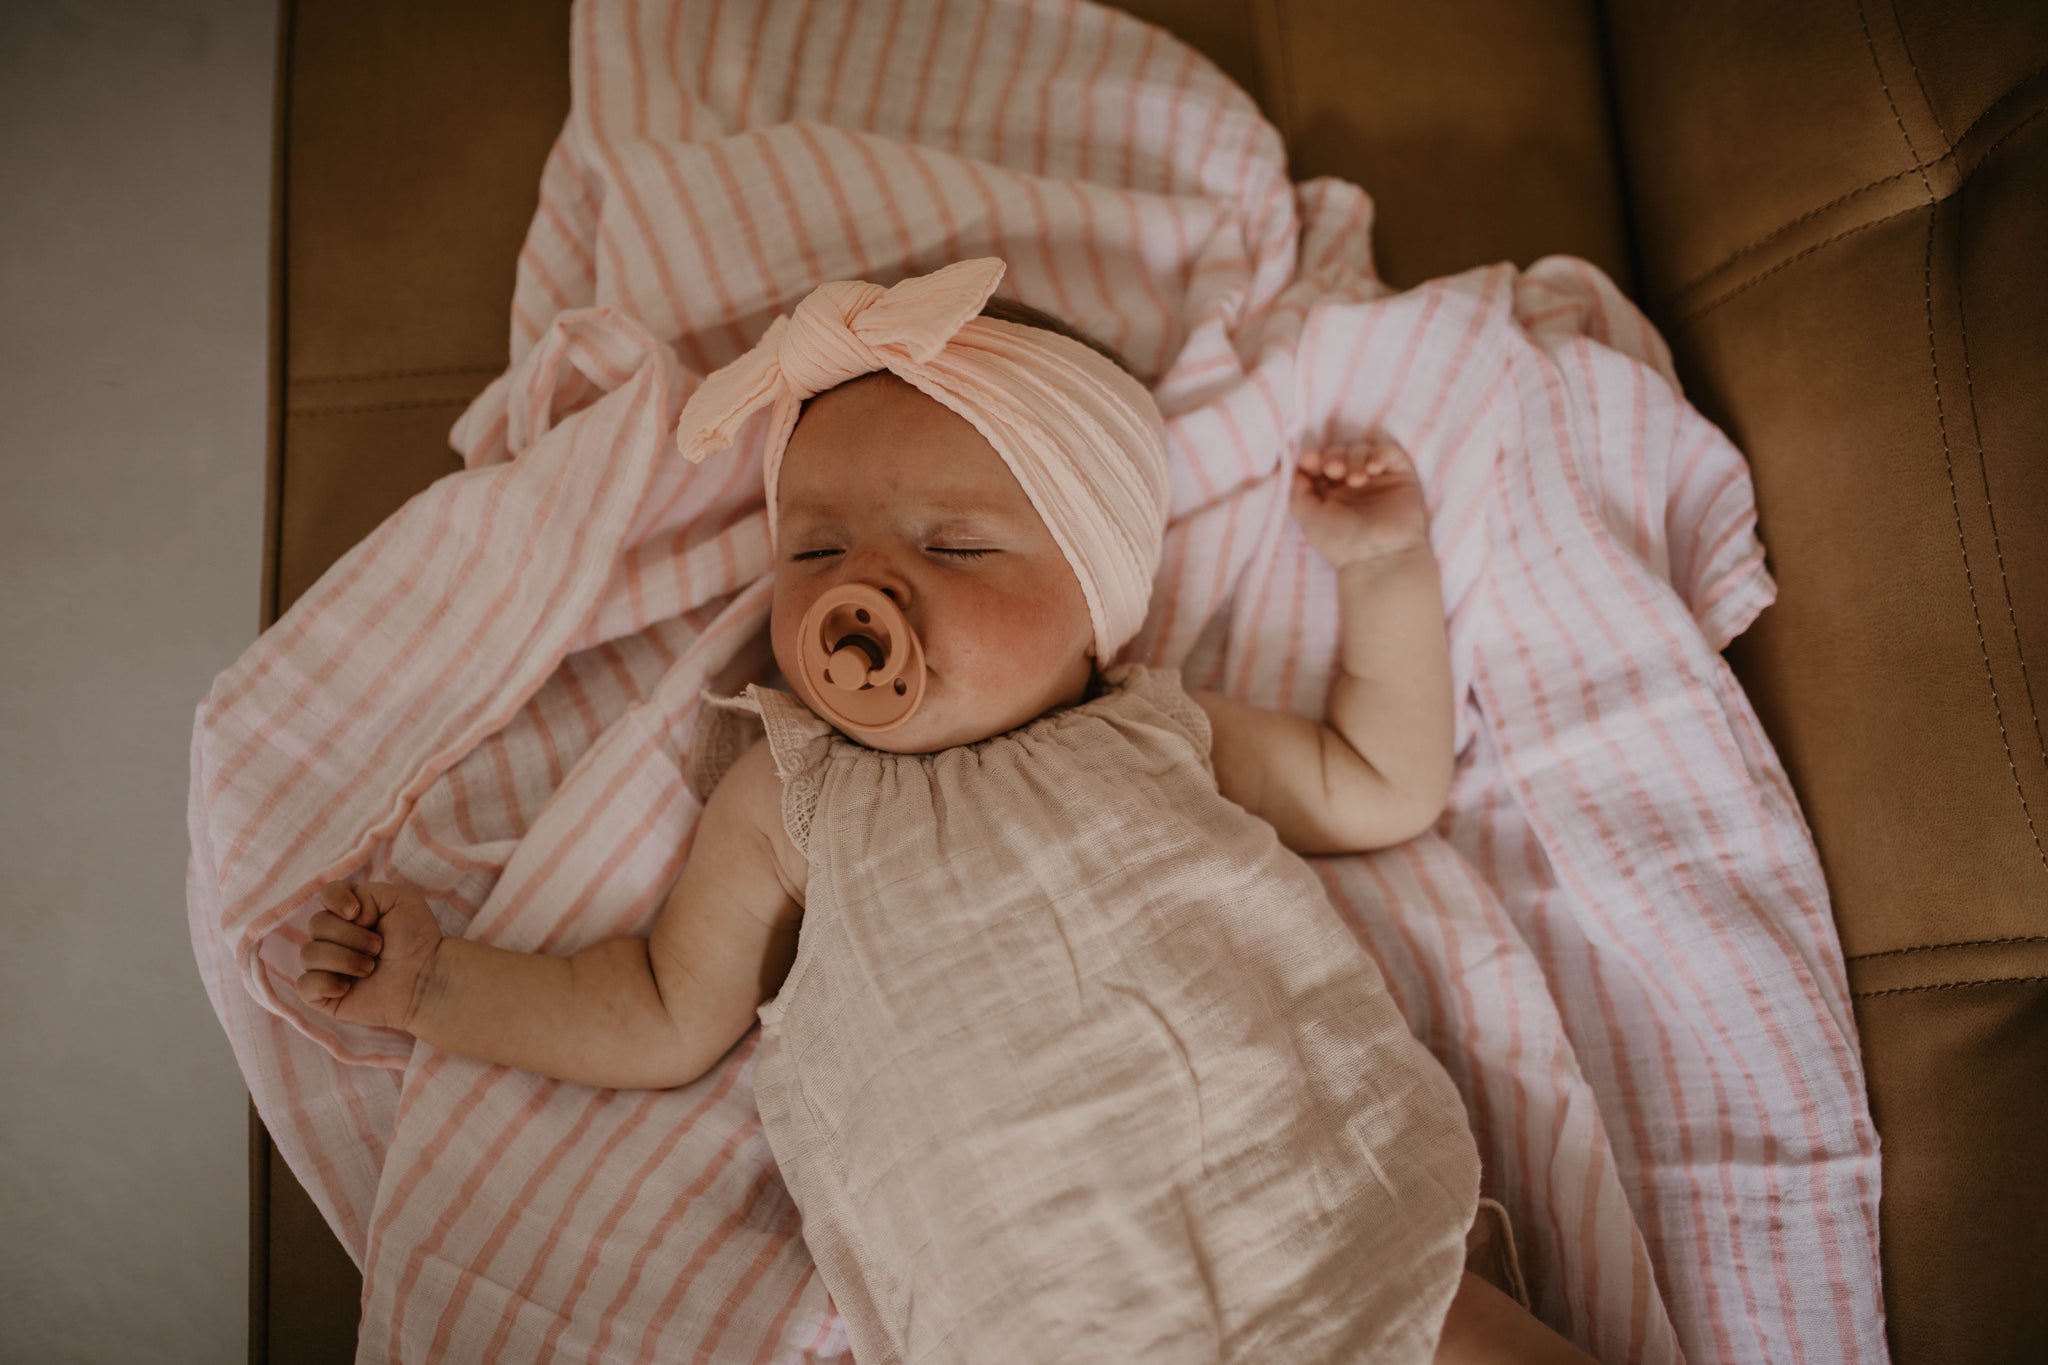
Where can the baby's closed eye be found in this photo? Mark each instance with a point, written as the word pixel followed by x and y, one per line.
pixel 935 549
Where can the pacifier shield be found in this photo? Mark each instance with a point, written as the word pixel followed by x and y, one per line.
pixel 863 661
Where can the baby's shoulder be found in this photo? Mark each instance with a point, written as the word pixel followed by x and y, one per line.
pixel 1269 762
pixel 757 792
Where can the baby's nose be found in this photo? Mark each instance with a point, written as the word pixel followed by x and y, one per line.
pixel 879 570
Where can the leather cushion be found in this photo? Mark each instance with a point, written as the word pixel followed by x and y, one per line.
pixel 1842 217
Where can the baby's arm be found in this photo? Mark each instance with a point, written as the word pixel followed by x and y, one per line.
pixel 1362 509
pixel 1392 698
pixel 1378 773
pixel 628 1013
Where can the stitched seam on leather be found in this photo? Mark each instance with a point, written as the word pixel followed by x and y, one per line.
pixel 1839 200
pixel 2016 87
pixel 1948 986
pixel 1914 66
pixel 1786 227
pixel 367 375
pixel 1911 152
pixel 1961 943
pixel 1863 18
pixel 1761 276
pixel 2009 133
pixel 1791 260
pixel 378 407
pixel 1962 544
pixel 2004 583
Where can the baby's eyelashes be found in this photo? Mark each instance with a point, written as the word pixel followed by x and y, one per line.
pixel 935 549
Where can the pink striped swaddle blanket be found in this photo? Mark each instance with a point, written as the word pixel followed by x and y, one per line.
pixel 1617 939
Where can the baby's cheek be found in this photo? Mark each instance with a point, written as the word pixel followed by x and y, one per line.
pixel 1016 627
pixel 782 635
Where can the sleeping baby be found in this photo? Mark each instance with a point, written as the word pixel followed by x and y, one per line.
pixel 1065 1054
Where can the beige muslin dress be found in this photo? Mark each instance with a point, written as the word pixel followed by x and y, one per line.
pixel 1077 1062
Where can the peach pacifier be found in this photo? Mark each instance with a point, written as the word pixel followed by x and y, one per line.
pixel 861 658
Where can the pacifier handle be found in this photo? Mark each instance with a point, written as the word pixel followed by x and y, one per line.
pixel 864 663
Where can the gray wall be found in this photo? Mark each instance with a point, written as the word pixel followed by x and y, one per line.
pixel 135 155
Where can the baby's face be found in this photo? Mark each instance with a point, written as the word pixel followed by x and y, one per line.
pixel 884 485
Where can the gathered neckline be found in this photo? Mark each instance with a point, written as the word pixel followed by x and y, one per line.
pixel 1103 688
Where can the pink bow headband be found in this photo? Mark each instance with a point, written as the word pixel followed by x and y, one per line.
pixel 1084 439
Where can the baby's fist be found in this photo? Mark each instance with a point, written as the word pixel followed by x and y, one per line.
pixel 1360 501
pixel 371 953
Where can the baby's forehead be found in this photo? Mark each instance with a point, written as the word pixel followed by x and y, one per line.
pixel 881 480
pixel 882 459
pixel 822 499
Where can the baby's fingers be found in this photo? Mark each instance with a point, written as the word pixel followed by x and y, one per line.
pixel 1356 465
pixel 320 956
pixel 329 927
pixel 1386 457
pixel 322 989
pixel 1331 463
pixel 1337 465
pixel 363 903
pixel 341 898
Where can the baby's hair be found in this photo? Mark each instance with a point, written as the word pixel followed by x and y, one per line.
pixel 1010 310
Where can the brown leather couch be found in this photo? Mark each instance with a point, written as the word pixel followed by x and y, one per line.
pixel 1835 210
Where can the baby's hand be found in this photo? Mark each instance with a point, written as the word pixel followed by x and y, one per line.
pixel 371 953
pixel 1359 502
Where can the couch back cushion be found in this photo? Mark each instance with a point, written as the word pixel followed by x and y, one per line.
pixel 1841 221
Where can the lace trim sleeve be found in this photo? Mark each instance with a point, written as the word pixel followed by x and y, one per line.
pixel 799 739
pixel 726 726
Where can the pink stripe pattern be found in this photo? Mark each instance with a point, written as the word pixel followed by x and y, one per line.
pixel 1617 939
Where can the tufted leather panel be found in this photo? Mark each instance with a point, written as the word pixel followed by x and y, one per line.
pixel 1842 225
pixel 1479 127
pixel 414 138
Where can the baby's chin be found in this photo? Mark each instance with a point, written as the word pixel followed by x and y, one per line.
pixel 927 732
pixel 934 727
pixel 947 716
pixel 895 742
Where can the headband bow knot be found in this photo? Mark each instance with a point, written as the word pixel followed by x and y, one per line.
pixel 1084 439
